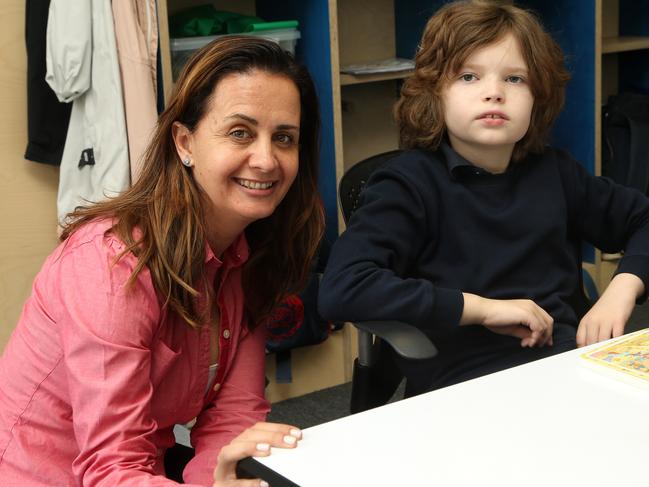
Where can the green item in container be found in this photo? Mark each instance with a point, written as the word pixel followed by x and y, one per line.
pixel 262 26
pixel 205 20
pixel 240 23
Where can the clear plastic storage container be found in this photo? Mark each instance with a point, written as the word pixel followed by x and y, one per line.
pixel 183 48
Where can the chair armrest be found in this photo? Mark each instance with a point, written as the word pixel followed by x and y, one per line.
pixel 406 340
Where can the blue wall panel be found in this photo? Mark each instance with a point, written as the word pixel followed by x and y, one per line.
pixel 410 18
pixel 313 50
pixel 572 24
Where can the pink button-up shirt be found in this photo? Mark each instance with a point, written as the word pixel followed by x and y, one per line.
pixel 96 375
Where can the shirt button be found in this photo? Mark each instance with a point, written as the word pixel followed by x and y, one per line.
pixel 226 334
pixel 216 387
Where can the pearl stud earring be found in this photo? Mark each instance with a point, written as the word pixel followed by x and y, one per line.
pixel 187 161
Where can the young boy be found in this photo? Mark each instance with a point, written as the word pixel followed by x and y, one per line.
pixel 473 233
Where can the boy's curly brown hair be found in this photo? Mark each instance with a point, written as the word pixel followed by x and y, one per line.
pixel 451 35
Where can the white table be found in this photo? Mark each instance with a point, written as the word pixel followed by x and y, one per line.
pixel 554 422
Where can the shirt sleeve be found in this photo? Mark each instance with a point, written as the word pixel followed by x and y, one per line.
pixel 239 404
pixel 106 333
pixel 68 52
pixel 610 216
pixel 369 275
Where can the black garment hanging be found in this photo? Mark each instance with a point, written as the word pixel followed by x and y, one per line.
pixel 47 118
pixel 625 140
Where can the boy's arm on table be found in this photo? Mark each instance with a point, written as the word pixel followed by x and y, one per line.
pixel 609 315
pixel 613 218
pixel 520 318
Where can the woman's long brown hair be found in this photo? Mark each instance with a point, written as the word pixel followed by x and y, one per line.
pixel 161 218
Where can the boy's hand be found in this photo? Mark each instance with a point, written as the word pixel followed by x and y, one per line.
pixel 520 318
pixel 256 441
pixel 609 315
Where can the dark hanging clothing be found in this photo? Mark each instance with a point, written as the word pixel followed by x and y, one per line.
pixel 47 118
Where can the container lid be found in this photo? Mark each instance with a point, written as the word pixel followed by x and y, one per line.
pixel 194 43
pixel 282 24
pixel 190 43
pixel 278 34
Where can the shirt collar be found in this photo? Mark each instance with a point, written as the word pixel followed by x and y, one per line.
pixel 457 165
pixel 235 255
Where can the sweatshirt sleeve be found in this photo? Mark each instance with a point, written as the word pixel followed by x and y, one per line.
pixel 69 48
pixel 610 216
pixel 369 272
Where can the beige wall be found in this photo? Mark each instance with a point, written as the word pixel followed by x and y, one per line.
pixel 27 189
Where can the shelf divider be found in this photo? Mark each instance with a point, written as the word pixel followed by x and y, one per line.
pixel 622 44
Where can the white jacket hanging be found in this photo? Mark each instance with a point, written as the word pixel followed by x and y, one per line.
pixel 82 68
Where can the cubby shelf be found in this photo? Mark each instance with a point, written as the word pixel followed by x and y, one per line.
pixel 623 44
pixel 350 79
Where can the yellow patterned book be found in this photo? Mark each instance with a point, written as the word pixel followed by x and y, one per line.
pixel 629 354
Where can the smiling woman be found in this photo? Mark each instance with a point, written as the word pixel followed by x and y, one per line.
pixel 146 314
pixel 244 152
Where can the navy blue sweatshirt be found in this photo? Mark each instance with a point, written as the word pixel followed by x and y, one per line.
pixel 432 225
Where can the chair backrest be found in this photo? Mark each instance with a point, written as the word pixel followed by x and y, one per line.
pixel 353 181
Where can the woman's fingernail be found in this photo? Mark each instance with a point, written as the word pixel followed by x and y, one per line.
pixel 263 446
pixel 290 439
pixel 296 433
pixel 263 483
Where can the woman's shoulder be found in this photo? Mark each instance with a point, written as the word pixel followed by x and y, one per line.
pixel 96 238
pixel 91 230
pixel 90 267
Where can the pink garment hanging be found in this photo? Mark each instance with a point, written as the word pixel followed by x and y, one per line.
pixel 136 32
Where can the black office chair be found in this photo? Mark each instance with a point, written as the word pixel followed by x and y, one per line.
pixel 376 375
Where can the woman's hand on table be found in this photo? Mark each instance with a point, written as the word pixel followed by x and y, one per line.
pixel 256 441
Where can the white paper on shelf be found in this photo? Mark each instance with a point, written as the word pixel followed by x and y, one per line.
pixel 384 66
